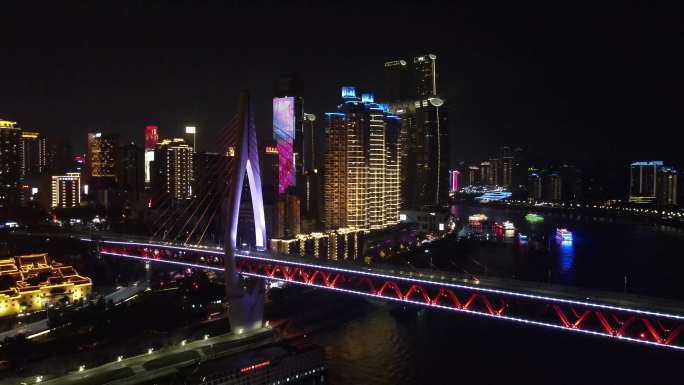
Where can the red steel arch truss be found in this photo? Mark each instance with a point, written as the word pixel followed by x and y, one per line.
pixel 633 325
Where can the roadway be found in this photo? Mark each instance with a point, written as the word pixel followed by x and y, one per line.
pixel 491 284
pixel 151 365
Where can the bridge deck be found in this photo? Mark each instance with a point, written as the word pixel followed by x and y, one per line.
pixel 492 284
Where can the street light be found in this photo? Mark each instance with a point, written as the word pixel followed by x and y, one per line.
pixel 150 350
pixel 119 358
pixel 184 342
pixel 81 368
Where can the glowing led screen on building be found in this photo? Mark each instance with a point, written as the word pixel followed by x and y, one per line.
pixel 283 133
pixel 454 180
pixel 151 137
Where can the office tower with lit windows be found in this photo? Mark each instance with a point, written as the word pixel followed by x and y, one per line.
pixel 10 163
pixel 643 181
pixel 101 158
pixel 151 139
pixel 506 174
pixel 312 202
pixel 411 88
pixel 397 81
pixel 294 158
pixel 454 181
pixel 473 176
pixel 553 189
pixel 131 172
pixel 666 190
pixel 66 190
pixel 534 188
pixel 33 154
pixel 486 173
pixel 361 164
pixel 494 172
pixel 173 170
pixel 572 183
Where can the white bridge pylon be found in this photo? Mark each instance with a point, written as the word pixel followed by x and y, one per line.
pixel 246 306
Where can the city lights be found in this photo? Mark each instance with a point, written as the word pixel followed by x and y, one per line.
pixel 356 210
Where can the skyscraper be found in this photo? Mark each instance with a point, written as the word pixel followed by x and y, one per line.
pixel 172 169
pixel 312 201
pixel 33 154
pixel 397 81
pixel 667 186
pixel 553 189
pixel 102 156
pixel 534 187
pixel 361 164
pixel 453 181
pixel 642 181
pixel 297 146
pixel 131 178
pixel 486 173
pixel 425 75
pixel 473 176
pixel 66 190
pixel 423 138
pixel 10 163
pixel 151 139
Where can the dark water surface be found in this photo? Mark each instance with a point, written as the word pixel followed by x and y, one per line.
pixel 603 253
pixel 384 346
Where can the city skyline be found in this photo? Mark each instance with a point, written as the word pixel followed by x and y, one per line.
pixel 345 193
pixel 499 89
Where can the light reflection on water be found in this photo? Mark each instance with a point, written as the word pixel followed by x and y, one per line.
pixel 567 258
pixel 604 253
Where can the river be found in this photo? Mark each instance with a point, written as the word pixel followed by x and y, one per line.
pixel 380 345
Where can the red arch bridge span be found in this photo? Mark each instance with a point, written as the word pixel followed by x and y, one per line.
pixel 616 316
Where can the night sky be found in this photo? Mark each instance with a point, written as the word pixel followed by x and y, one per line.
pixel 596 84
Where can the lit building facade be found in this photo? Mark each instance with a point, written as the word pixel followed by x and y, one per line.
pixel 667 186
pixel 287 133
pixel 486 173
pixel 473 176
pixel 453 181
pixel 102 156
pixel 506 171
pixel 411 88
pixel 66 190
pixel 10 163
pixel 131 172
pixel 312 198
pixel 30 283
pixel 534 187
pixel 151 139
pixel 643 181
pixel 339 244
pixel 33 154
pixel 553 191
pixel 361 164
pixel 173 169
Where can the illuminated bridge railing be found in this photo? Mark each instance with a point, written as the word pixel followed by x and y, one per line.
pixel 629 322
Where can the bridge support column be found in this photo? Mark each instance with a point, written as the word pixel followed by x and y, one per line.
pixel 245 296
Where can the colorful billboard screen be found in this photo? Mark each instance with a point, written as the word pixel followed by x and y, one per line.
pixel 151 136
pixel 454 180
pixel 283 133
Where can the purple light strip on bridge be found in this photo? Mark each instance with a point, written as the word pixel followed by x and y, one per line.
pixel 409 279
pixel 503 317
pixel 442 307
